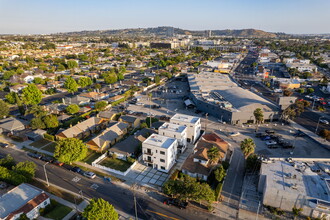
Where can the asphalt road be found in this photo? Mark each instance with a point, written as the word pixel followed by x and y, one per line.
pixel 120 197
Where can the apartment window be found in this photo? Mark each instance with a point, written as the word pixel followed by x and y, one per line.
pixel 162 160
pixel 162 152
pixel 163 168
pixel 163 133
pixel 174 136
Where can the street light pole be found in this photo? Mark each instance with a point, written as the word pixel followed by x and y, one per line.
pixel 133 188
pixel 318 122
pixel 206 121
pixel 46 173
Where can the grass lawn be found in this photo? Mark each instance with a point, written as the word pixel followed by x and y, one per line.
pixel 50 147
pixel 91 156
pixel 59 212
pixel 116 164
pixel 40 143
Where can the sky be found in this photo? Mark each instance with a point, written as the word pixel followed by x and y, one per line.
pixel 53 16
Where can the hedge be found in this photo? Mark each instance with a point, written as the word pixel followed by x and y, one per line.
pixel 217 191
pixel 49 137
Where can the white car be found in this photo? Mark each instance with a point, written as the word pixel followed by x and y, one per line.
pixel 268 143
pixel 323 121
pixel 90 175
pixel 233 134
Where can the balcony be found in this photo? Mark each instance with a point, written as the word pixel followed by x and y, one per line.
pixel 148 153
pixel 147 160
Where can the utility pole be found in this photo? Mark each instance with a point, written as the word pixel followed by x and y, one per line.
pixel 206 115
pixel 150 96
pixel 135 207
pixel 318 122
pixel 46 173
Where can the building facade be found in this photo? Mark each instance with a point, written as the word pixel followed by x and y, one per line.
pixel 179 132
pixel 192 123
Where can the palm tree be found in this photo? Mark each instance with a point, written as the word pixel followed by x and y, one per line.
pixel 247 146
pixel 259 115
pixel 213 154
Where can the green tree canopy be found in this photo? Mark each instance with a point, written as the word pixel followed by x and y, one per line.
pixel 100 209
pixel 4 109
pixel 157 79
pixel 60 67
pixel 72 109
pixel 51 121
pixel 37 123
pixel 10 97
pixel 100 105
pixel 39 80
pixel 27 169
pixel 71 85
pixel 110 78
pixel 69 150
pixel 37 111
pixel 214 154
pixel 72 64
pixel 259 115
pixel 219 173
pixel 85 81
pixel 247 146
pixel 31 95
pixel 7 161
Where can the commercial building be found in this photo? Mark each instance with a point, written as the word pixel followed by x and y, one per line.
pixel 285 185
pixel 160 152
pixel 219 96
pixel 23 199
pixel 192 123
pixel 179 132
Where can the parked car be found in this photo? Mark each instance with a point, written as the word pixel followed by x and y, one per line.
pixel 47 159
pixel 266 138
pixel 269 131
pixel 4 145
pixel 58 163
pixel 233 134
pixel 268 143
pixel 67 166
pixel 259 135
pixel 323 121
pixel 76 170
pixel 34 155
pixel 90 175
pixel 177 203
pixel 287 144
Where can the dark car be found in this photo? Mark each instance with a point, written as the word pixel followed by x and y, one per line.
pixel 67 166
pixel 34 155
pixel 266 138
pixel 198 111
pixel 47 159
pixel 4 145
pixel 268 131
pixel 259 135
pixel 76 170
pixel 177 203
pixel 287 145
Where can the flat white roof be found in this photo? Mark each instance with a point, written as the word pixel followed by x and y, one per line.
pixel 159 141
pixel 172 127
pixel 185 118
pixel 16 198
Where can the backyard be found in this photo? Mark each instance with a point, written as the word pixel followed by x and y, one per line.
pixel 40 143
pixel 58 212
pixel 116 164
pixel 91 156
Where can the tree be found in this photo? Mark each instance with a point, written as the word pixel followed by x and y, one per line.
pixel 60 67
pixel 296 211
pixel 37 123
pixel 51 121
pixel 69 150
pixel 219 173
pixel 213 154
pixel 259 115
pixel 247 146
pixel 310 90
pixel 84 81
pixel 72 109
pixel 31 95
pixel 325 133
pixel 10 97
pixel 71 85
pixel 100 106
pixel 100 209
pixel 120 76
pixel 37 111
pixel 38 80
pixel 157 79
pixel 4 110
pixel 27 169
pixel 143 125
pixel 7 162
pixel 72 64
pixel 110 78
pixel 287 92
pixel 301 90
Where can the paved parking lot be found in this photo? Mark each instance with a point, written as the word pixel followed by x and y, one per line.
pixel 146 175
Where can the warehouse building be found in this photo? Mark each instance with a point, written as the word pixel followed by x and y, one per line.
pixel 219 96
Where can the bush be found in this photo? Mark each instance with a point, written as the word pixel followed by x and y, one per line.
pixel 130 160
pixel 225 165
pixel 217 191
pixel 49 137
pixel 114 156
pixel 175 175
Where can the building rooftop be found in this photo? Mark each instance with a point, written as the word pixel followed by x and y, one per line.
pixel 160 141
pixel 16 198
pixel 294 179
pixel 173 127
pixel 185 118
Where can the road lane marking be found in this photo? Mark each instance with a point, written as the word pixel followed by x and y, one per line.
pixel 94 186
pixel 166 216
pixel 76 179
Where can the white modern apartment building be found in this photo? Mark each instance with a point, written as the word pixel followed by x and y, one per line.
pixel 179 132
pixel 192 123
pixel 160 152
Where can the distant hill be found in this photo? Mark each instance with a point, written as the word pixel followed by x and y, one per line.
pixel 163 31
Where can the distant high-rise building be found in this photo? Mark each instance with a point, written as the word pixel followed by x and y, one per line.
pixel 208 33
pixel 170 32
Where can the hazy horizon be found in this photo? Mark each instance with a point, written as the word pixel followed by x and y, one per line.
pixel 49 17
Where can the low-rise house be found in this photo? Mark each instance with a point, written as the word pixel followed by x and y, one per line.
pixel 41 87
pixel 84 109
pixel 12 125
pixel 107 115
pixel 198 164
pixel 55 108
pixel 133 122
pixel 55 84
pixel 36 135
pixel 159 152
pixel 108 137
pixel 96 96
pixel 78 100
pixel 178 132
pixel 23 199
pixel 17 88
pixel 63 117
pixel 130 147
pixel 83 129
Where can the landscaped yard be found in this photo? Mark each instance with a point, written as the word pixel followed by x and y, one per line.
pixel 91 156
pixel 50 147
pixel 116 164
pixel 40 143
pixel 59 212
